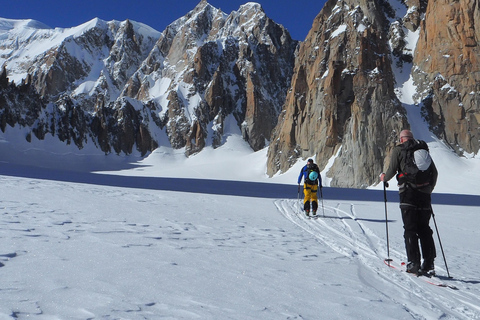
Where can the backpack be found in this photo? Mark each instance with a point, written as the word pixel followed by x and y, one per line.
pixel 418 170
pixel 313 173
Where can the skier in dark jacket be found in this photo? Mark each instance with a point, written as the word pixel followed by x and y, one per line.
pixel 415 205
pixel 310 173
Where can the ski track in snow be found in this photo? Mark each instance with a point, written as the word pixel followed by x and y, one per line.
pixel 340 230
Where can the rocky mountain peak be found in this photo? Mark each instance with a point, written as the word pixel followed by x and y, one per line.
pixel 342 103
pixel 207 64
pixel 135 85
pixel 251 9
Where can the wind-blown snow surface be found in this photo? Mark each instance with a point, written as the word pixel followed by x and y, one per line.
pixel 151 242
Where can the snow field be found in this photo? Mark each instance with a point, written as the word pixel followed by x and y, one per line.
pixel 80 250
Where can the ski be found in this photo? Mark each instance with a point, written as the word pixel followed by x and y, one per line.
pixel 426 277
pixel 311 215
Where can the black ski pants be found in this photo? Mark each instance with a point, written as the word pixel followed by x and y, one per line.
pixel 416 213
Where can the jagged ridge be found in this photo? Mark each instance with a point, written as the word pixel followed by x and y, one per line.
pixel 127 86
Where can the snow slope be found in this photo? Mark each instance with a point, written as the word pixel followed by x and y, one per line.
pixel 210 237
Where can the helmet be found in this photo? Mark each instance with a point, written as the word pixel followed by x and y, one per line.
pixel 313 175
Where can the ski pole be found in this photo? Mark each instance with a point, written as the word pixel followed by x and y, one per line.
pixel 321 196
pixel 298 200
pixel 440 242
pixel 385 185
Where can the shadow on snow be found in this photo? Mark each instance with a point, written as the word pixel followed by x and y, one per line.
pixel 220 187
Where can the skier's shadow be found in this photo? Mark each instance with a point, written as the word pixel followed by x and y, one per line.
pixel 445 278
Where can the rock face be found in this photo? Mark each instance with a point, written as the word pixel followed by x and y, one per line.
pixel 124 86
pixel 78 80
pixel 18 104
pixel 209 66
pixel 447 72
pixel 342 100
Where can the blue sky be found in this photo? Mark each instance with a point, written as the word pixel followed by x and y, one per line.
pixel 297 16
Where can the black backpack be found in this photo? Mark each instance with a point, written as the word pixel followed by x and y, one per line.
pixel 310 169
pixel 418 170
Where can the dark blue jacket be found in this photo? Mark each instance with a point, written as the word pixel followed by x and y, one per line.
pixel 304 174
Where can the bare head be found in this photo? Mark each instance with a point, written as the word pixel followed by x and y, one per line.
pixel 405 135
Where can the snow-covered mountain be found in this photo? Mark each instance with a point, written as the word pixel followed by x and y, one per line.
pixel 366 70
pixel 124 86
pixel 60 61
